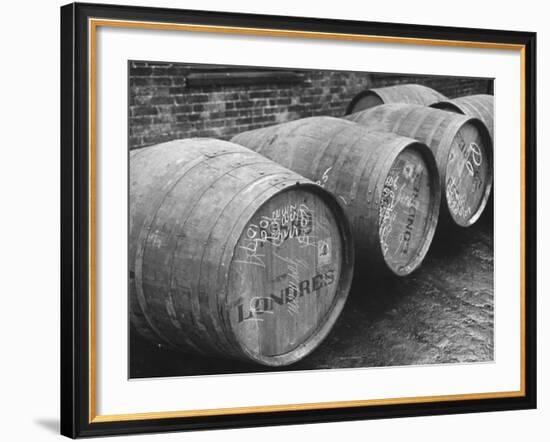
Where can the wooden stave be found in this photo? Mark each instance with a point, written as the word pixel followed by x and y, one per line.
pixel 380 119
pixel 378 159
pixel 401 93
pixel 190 164
pixel 138 216
pixel 221 338
pixel 193 316
pixel 480 106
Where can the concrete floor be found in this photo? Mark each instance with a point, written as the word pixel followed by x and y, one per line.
pixel 442 313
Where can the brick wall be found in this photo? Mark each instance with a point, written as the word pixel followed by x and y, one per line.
pixel 164 104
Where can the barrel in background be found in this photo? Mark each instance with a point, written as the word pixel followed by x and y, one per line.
pixel 233 255
pixel 462 147
pixel 389 184
pixel 479 106
pixel 402 93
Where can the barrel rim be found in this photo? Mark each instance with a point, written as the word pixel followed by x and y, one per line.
pixel 447 105
pixel 342 290
pixel 360 96
pixel 456 103
pixel 486 194
pixel 435 204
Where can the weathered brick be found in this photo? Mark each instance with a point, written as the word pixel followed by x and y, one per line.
pixel 260 94
pixel 139 81
pixel 216 115
pixel 140 121
pixel 243 104
pixel 216 123
pixel 183 118
pixel 164 118
pixel 263 119
pixel 141 72
pixel 161 99
pixel 246 120
pixel 143 110
pixel 182 109
pixel 198 98
pixel 179 81
pixel 229 114
pixel 283 102
pixel 178 91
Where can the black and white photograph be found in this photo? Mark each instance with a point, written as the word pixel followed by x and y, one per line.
pixel 291 219
pixel 275 220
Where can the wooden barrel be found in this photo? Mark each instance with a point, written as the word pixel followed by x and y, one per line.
pixel 462 147
pixel 389 184
pixel 233 255
pixel 479 106
pixel 401 93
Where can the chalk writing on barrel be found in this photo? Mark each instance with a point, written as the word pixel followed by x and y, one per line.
pixel 324 178
pixel 456 201
pixel 471 153
pixel 411 212
pixel 290 221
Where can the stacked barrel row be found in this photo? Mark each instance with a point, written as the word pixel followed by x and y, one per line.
pixel 246 249
pixel 387 184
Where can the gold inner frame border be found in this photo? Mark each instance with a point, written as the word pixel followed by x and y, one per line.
pixel 93 24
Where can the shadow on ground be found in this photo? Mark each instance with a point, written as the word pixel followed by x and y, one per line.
pixel 442 313
pixel 52 425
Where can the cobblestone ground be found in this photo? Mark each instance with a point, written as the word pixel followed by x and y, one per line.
pixel 442 313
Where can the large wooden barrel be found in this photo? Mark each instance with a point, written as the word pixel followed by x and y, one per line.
pixel 462 147
pixel 389 184
pixel 401 93
pixel 231 254
pixel 479 106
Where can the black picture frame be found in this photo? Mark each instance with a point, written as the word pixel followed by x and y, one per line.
pixel 77 418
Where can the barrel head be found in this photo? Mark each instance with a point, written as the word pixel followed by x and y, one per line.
pixel 283 292
pixel 468 173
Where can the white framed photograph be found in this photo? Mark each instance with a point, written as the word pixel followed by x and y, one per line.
pixel 286 220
